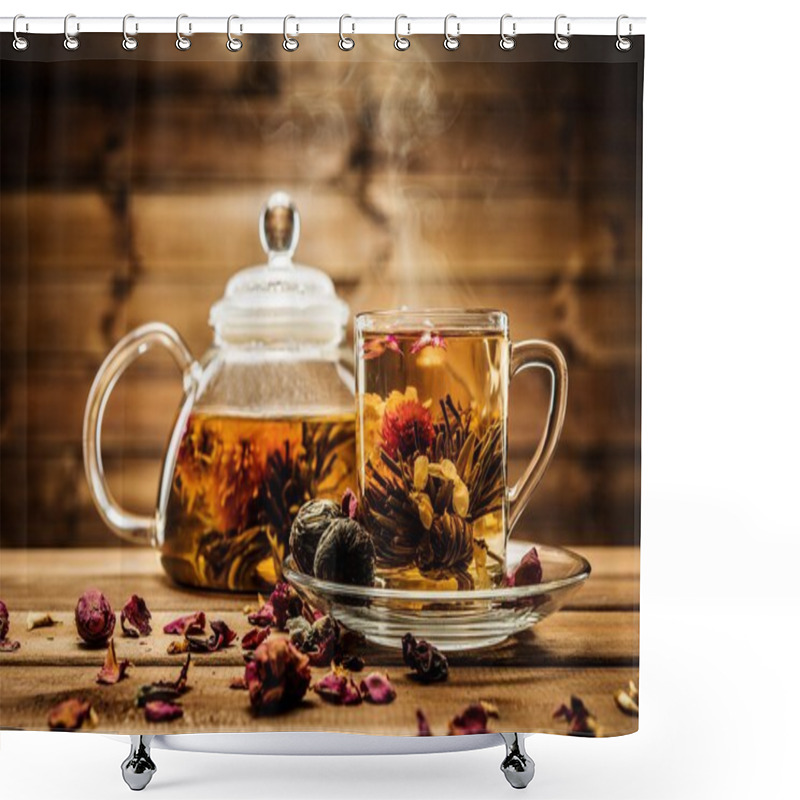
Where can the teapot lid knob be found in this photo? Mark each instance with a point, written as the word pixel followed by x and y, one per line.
pixel 280 229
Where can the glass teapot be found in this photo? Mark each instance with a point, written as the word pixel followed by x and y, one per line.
pixel 267 421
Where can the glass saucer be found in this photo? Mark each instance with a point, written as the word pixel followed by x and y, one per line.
pixel 452 620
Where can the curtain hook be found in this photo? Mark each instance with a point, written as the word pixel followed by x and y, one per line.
pixel 561 42
pixel 128 42
pixel 623 43
pixel 70 42
pixel 233 44
pixel 346 42
pixel 400 42
pixel 507 42
pixel 290 43
pixel 182 43
pixel 20 42
pixel 451 42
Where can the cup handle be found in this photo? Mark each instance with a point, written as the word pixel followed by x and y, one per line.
pixel 536 353
pixel 133 527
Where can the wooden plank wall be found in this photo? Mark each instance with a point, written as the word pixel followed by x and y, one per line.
pixel 130 192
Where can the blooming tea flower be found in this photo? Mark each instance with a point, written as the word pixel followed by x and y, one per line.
pixel 407 429
pixel 94 618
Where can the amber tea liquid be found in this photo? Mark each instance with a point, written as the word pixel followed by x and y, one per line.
pixel 431 456
pixel 237 485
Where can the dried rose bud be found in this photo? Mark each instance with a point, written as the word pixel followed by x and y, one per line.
pixel 350 504
pixel 423 726
pixel 580 720
pixel 189 624
pixel 345 554
pixel 277 676
pixel 528 571
pixel 135 618
pixel 161 711
pixel 309 525
pixel 377 688
pixel 94 618
pixel 337 687
pixel 112 671
pixel 221 637
pixel 4 624
pixel 429 664
pixel 71 714
pixel 253 638
pixel 286 603
pixel 473 719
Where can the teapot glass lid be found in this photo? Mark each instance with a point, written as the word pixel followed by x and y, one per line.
pixel 280 302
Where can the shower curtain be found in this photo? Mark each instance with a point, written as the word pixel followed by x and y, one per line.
pixel 426 178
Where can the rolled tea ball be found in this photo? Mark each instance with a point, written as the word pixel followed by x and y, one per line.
pixel 345 554
pixel 311 522
pixel 94 617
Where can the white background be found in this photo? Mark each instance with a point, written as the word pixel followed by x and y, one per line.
pixel 720 531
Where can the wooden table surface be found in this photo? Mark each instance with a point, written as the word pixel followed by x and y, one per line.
pixel 588 649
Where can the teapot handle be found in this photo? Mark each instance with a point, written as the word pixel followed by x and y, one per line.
pixel 133 527
pixel 536 353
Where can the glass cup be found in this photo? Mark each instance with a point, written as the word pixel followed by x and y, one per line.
pixel 431 439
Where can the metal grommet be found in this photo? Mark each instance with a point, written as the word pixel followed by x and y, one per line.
pixel 128 42
pixel 346 42
pixel 290 43
pixel 182 43
pixel 507 42
pixel 233 44
pixel 20 43
pixel 561 42
pixel 70 42
pixel 623 43
pixel 400 42
pixel 451 42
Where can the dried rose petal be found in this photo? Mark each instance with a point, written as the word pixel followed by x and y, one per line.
pixel 423 726
pixel 337 687
pixel 277 676
pixel 177 648
pixel 376 688
pixel 112 671
pixel 221 636
pixel 350 504
pixel 39 619
pixel 528 571
pixel 237 683
pixel 4 624
pixel 168 691
pixel 627 700
pixel 94 618
pixel 429 664
pixel 7 646
pixel 71 714
pixel 473 719
pixel 428 339
pixel 135 618
pixel 253 638
pixel 580 720
pixel 161 711
pixel 188 624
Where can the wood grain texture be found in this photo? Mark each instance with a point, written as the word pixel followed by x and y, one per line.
pixel 590 651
